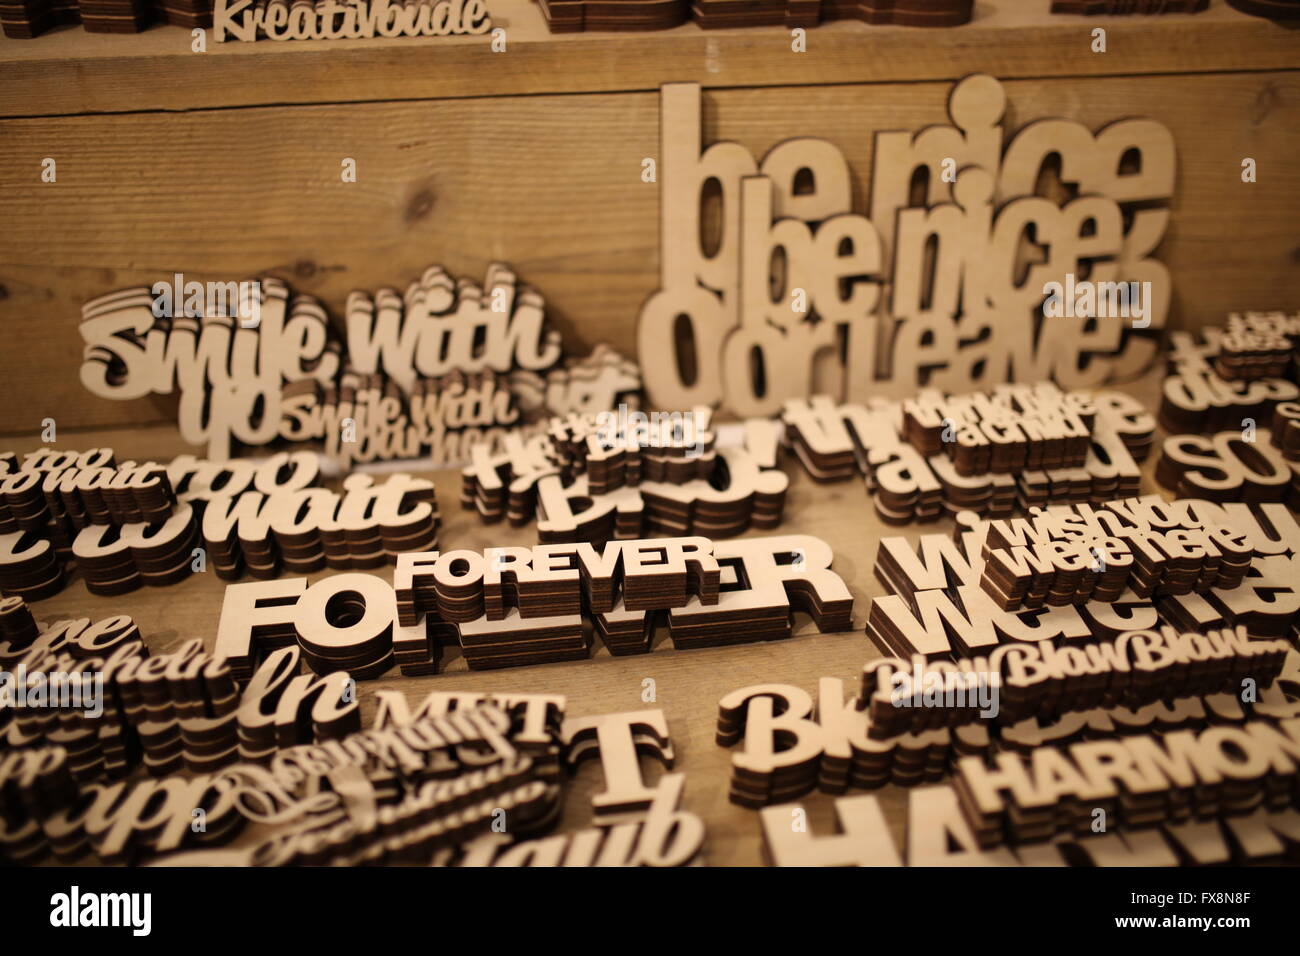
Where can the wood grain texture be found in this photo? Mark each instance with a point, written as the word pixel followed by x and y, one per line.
pixel 549 184
pixel 70 71
pixel 688 684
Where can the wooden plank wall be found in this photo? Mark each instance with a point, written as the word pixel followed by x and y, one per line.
pixel 548 183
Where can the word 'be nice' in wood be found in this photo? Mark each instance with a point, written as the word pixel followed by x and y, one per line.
pixel 937 290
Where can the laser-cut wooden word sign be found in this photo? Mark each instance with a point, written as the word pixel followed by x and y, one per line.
pixel 1139 781
pixel 874 293
pixel 252 364
pixel 1272 9
pixel 1252 345
pixel 571 16
pixel 594 383
pixel 535 719
pixel 1240 465
pixel 1116 7
pixel 1222 378
pixel 625 807
pixel 322 798
pixel 1002 432
pixel 368 417
pixel 937 834
pixel 169 709
pixel 68 664
pixel 31 18
pixel 902 698
pixel 923 457
pixel 122 523
pixel 575 16
pixel 515 606
pixel 663 835
pixel 264 517
pixel 618 740
pixel 184 711
pixel 938 607
pixel 582 485
pixel 808 13
pixel 636 825
pixel 1258 345
pixel 926 716
pixel 1072 557
pixel 913 720
pixel 353 20
pixel 482 802
pixel 1198 400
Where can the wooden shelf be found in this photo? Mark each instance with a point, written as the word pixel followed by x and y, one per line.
pixel 71 71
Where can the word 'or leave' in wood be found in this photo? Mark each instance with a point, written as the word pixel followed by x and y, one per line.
pixel 939 293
